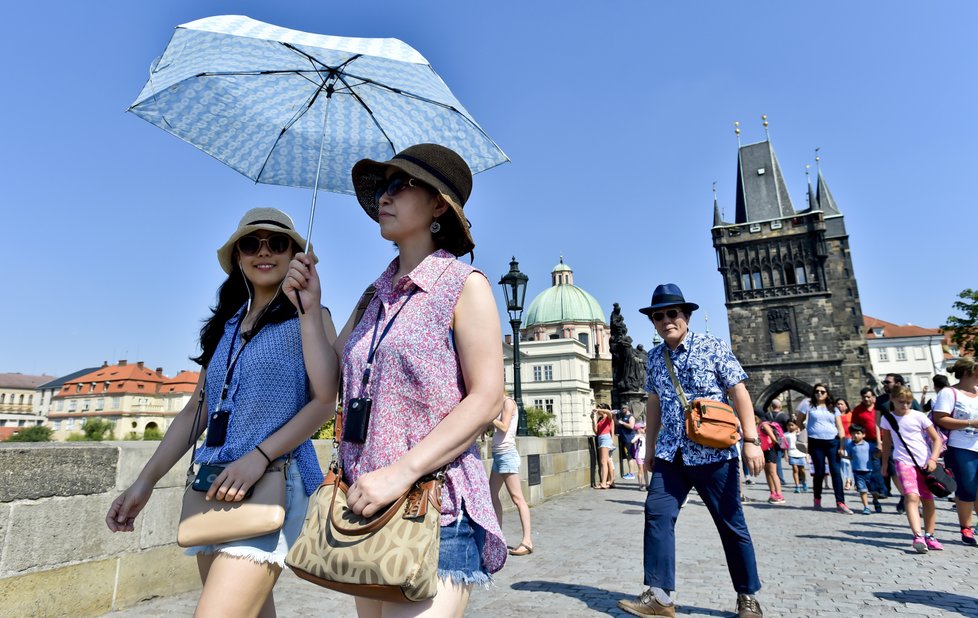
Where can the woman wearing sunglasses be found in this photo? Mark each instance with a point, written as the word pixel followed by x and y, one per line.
pixel 826 442
pixel 259 410
pixel 436 376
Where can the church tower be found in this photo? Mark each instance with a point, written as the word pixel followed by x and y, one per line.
pixel 791 294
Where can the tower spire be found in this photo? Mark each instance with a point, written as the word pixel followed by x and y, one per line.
pixel 717 215
pixel 767 136
pixel 812 204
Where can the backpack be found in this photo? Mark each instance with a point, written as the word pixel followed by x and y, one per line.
pixel 780 441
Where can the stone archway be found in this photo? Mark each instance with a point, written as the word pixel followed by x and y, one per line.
pixel 787 383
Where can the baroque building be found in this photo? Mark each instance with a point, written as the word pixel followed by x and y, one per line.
pixel 791 293
pixel 564 354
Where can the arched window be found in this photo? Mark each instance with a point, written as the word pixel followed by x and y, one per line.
pixel 745 281
pixel 21 401
pixel 777 276
pixel 756 279
pixel 3 397
pixel 789 275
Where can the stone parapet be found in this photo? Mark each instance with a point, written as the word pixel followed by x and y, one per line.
pixel 58 558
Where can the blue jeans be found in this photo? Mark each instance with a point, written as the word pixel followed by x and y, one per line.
pixel 719 488
pixel 876 484
pixel 820 450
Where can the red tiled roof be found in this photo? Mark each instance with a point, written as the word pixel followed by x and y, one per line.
pixel 20 380
pixel 116 379
pixel 183 382
pixel 891 330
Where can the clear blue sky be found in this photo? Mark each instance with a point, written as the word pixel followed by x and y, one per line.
pixel 617 116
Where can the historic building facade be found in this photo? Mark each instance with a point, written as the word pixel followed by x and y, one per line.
pixel 564 354
pixel 791 294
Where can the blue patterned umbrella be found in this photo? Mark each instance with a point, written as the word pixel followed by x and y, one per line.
pixel 292 108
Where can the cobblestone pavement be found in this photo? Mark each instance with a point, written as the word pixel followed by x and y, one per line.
pixel 588 554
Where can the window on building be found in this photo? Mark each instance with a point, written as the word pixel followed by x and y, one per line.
pixel 78 388
pixel 756 280
pixel 85 406
pixel 3 397
pixel 800 274
pixel 20 400
pixel 918 353
pixel 30 399
pixel 59 405
pixel 789 275
pixel 72 405
pixel 884 355
pixel 546 405
pixel 583 338
pixel 100 403
pixel 548 372
pixel 57 425
pixel 116 403
pixel 543 373
pixel 21 423
pixel 901 353
pixel 70 424
pixel 745 281
pixel 537 373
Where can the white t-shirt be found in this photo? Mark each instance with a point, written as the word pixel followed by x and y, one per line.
pixel 913 428
pixel 793 445
pixel 640 447
pixel 962 406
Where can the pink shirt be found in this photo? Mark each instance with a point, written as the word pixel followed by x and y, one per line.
pixel 415 382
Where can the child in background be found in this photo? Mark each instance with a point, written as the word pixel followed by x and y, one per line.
pixel 858 450
pixel 913 427
pixel 639 443
pixel 796 457
pixel 770 447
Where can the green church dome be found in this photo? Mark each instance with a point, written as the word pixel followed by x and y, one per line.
pixel 563 302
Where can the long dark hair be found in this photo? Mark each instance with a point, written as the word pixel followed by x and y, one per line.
pixel 451 236
pixel 232 294
pixel 829 401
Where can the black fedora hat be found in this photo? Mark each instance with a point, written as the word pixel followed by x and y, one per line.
pixel 668 295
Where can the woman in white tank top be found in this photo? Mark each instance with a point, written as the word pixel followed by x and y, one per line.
pixel 506 471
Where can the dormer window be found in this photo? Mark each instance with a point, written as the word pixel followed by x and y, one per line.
pixel 877 331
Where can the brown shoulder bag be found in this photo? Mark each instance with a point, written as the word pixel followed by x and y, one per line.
pixel 708 422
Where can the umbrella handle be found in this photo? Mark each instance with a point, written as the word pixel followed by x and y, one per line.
pixel 299 300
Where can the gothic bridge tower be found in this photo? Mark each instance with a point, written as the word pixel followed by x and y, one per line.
pixel 791 294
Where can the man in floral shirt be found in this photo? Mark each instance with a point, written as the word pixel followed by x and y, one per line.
pixel 705 368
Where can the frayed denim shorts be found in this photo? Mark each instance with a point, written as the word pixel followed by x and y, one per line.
pixel 507 462
pixel 269 548
pixel 605 441
pixel 460 552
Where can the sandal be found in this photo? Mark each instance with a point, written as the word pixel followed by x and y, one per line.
pixel 515 551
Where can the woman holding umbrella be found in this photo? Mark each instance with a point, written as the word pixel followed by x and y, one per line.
pixel 260 410
pixel 436 378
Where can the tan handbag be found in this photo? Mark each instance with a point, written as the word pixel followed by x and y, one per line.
pixel 708 422
pixel 392 556
pixel 217 521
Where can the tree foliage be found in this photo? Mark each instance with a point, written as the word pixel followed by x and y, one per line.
pixel 540 423
pixel 964 329
pixel 153 433
pixel 38 433
pixel 97 429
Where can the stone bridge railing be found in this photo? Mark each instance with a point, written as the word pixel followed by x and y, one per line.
pixel 57 558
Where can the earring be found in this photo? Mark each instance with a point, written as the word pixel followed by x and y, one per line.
pixel 435 227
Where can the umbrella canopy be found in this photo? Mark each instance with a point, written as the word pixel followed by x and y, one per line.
pixel 291 108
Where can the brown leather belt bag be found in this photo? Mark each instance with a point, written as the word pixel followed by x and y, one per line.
pixel 708 422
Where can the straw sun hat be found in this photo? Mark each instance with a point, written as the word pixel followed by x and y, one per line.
pixel 269 219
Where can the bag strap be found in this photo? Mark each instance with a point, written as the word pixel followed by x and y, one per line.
pixel 891 420
pixel 192 441
pixel 675 381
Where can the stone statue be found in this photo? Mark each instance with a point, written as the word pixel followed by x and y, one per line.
pixel 628 364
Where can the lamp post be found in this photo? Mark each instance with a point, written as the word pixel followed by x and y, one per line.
pixel 514 287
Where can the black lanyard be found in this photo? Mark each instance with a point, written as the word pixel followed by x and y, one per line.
pixel 232 361
pixel 375 343
pixel 689 353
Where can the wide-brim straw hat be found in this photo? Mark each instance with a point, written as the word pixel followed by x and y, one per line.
pixel 269 219
pixel 437 166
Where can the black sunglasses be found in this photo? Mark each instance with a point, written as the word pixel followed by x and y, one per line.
pixel 672 314
pixel 821 392
pixel 395 184
pixel 276 243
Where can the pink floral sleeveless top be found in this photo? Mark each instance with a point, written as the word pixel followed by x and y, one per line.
pixel 415 382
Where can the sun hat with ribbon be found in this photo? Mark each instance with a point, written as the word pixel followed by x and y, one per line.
pixel 269 219
pixel 439 167
pixel 668 295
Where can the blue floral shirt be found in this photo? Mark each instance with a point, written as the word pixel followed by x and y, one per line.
pixel 705 367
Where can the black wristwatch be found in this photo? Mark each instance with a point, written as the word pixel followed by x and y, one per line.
pixel 756 441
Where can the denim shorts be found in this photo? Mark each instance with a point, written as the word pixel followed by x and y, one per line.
pixel 797 461
pixel 507 462
pixel 862 480
pixel 605 441
pixel 460 552
pixel 269 548
pixel 964 465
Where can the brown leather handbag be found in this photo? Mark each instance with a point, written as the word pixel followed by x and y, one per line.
pixel 708 422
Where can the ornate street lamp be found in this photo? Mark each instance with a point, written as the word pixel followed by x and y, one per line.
pixel 514 287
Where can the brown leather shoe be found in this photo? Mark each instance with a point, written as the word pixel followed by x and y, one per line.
pixel 748 606
pixel 647 605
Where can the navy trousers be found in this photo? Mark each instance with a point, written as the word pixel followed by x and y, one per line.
pixel 718 487
pixel 822 450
